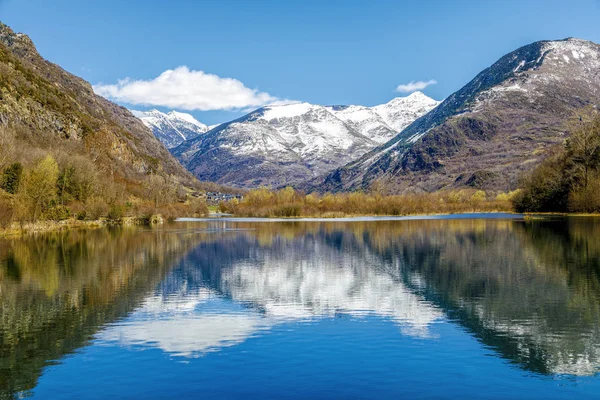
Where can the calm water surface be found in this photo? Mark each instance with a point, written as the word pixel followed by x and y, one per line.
pixel 439 308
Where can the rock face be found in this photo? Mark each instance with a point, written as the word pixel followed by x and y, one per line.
pixel 46 107
pixel 289 144
pixel 172 128
pixel 490 132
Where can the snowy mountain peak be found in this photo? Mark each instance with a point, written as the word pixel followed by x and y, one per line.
pixel 418 95
pixel 186 117
pixel 493 130
pixel 172 128
pixel 286 111
pixel 398 113
pixel 287 144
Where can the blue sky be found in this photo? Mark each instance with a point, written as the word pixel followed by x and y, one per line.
pixel 325 52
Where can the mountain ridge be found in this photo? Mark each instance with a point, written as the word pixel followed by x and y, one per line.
pixel 280 145
pixel 172 128
pixel 496 127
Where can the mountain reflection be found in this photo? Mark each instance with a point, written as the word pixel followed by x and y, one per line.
pixel 301 279
pixel 527 290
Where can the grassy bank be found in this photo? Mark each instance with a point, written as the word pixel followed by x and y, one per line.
pixel 17 229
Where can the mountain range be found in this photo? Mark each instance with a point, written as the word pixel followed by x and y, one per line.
pixel 172 128
pixel 489 133
pixel 486 135
pixel 290 144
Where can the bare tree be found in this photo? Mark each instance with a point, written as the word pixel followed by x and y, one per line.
pixel 160 190
pixel 584 146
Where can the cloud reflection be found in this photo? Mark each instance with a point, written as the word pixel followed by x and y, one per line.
pixel 273 287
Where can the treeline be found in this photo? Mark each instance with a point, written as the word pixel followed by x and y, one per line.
pixel 569 179
pixel 287 202
pixel 46 186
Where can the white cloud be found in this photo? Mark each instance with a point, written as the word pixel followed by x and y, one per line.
pixel 415 85
pixel 186 89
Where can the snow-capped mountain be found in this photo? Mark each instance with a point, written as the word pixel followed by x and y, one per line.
pixel 172 128
pixel 490 132
pixel 288 144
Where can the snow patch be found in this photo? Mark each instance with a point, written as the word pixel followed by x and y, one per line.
pixel 286 111
pixel 511 88
pixel 518 67
pixel 415 137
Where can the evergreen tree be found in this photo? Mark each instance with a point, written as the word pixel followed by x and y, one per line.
pixel 11 178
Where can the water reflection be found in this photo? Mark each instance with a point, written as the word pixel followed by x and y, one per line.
pixel 296 279
pixel 528 290
pixel 57 290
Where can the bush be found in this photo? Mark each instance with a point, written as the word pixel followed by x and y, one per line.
pixel 288 210
pixel 546 189
pixel 198 207
pixel 586 199
pixel 56 213
pixel 116 213
pixel 568 179
pixel 96 208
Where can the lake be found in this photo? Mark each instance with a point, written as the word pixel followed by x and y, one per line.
pixel 480 306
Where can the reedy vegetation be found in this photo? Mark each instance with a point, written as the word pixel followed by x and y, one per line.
pixel 287 202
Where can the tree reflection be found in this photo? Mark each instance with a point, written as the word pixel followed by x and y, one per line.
pixel 529 290
pixel 57 290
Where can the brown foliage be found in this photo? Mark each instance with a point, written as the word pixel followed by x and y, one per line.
pixel 6 212
pixel 287 203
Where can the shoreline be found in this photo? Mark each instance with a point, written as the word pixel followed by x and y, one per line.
pixel 72 224
pixel 361 217
pixel 32 228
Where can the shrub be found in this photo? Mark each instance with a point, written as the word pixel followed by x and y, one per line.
pixel 116 213
pixel 546 189
pixel 96 208
pixel 198 207
pixel 478 196
pixel 286 203
pixel 586 199
pixel 56 213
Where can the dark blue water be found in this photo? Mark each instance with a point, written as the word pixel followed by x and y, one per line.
pixel 450 308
